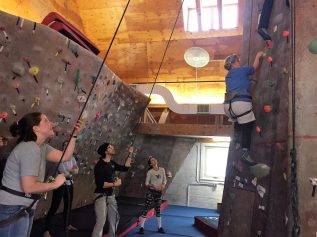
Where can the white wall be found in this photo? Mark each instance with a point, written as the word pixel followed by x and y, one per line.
pixel 199 196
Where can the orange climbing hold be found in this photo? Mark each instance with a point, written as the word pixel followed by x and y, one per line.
pixel 267 108
pixel 285 33
pixel 269 59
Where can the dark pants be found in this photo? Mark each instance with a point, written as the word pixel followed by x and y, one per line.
pixel 155 197
pixel 58 194
pixel 242 134
pixel 265 14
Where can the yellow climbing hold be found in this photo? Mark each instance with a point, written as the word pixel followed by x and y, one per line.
pixel 34 70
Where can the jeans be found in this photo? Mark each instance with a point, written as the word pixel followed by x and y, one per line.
pixel 106 206
pixel 265 14
pixel 18 228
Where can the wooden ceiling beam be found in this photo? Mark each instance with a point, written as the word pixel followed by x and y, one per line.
pixel 193 130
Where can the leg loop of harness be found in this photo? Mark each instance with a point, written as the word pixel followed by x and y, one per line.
pixel 23 212
pixel 232 114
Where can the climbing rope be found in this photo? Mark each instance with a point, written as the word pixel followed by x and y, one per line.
pixel 168 43
pixel 84 106
pixel 161 63
pixel 293 154
pixel 158 71
pixel 94 81
pixel 250 33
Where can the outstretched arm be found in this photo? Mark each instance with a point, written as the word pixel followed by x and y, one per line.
pixel 257 61
pixel 55 155
pixel 129 158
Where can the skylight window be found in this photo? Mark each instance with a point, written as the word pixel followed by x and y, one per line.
pixel 209 15
pixel 190 15
pixel 205 15
pixel 229 14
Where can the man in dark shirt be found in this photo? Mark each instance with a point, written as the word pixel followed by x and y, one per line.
pixel 105 202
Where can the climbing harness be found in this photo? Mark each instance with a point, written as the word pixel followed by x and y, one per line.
pixel 24 211
pixel 230 97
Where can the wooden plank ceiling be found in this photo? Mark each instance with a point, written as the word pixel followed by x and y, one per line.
pixel 143 35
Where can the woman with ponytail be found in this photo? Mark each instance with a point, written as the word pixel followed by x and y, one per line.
pixel 23 176
pixel 155 181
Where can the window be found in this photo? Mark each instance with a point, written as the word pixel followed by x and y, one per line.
pixel 209 15
pixel 190 15
pixel 213 162
pixel 229 14
pixel 203 15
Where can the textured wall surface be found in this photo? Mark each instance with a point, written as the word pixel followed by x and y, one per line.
pixel 59 90
pixel 306 108
pixel 260 207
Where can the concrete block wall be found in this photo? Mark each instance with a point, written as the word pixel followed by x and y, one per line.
pixel 186 178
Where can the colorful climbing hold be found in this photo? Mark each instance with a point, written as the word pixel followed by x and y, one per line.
pixel 312 47
pixel 267 108
pixel 34 70
pixel 286 35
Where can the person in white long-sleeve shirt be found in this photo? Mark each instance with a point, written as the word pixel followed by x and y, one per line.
pixel 156 182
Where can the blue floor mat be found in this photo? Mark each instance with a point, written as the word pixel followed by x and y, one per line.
pixel 177 221
pixel 175 210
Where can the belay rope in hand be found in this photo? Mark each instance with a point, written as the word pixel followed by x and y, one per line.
pixel 85 104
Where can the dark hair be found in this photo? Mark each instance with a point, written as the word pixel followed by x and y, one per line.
pixel 102 149
pixel 231 59
pixel 149 163
pixel 24 127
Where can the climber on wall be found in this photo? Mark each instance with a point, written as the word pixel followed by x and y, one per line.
pixel 264 23
pixel 238 107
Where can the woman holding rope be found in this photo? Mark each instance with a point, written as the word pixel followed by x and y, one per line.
pixel 23 177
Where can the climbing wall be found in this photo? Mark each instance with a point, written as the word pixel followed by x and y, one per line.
pixel 41 70
pixel 306 120
pixel 170 153
pixel 260 206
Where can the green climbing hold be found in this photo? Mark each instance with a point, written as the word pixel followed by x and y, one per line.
pixel 312 47
pixel 260 170
pixel 270 83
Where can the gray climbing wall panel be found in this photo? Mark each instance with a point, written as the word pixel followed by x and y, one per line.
pixel 41 70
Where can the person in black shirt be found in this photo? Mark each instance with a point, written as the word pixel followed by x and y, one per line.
pixel 105 202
